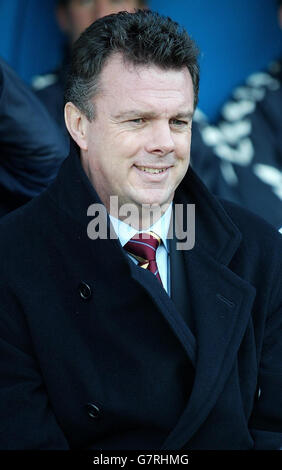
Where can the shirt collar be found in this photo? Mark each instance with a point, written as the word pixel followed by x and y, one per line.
pixel 125 232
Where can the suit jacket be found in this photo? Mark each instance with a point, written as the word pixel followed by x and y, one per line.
pixel 95 355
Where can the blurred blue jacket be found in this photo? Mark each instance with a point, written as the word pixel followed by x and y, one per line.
pixel 32 146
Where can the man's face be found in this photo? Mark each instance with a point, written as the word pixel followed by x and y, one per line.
pixel 81 13
pixel 138 145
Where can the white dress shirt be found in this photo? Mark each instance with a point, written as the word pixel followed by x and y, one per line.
pixel 125 232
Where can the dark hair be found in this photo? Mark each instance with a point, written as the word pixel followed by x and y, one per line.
pixel 143 38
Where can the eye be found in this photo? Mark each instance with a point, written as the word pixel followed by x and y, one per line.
pixel 137 121
pixel 179 123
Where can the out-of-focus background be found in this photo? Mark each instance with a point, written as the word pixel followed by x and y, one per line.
pixel 237 128
pixel 236 38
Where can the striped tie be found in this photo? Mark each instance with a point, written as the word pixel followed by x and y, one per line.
pixel 143 246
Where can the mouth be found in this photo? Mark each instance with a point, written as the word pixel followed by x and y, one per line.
pixel 151 170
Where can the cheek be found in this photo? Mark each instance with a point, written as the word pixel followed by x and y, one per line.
pixel 183 149
pixel 127 147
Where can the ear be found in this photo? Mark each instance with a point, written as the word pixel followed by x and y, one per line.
pixel 76 123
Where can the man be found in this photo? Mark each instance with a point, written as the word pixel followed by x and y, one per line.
pixel 32 147
pixel 73 17
pixel 103 346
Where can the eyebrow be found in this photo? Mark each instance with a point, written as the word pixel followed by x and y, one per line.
pixel 187 115
pixel 151 115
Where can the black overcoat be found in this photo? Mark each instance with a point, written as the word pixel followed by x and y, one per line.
pixel 95 355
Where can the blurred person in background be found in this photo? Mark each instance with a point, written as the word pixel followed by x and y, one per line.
pixel 247 141
pixel 73 17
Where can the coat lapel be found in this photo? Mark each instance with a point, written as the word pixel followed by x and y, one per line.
pixel 221 311
pixel 221 304
pixel 179 285
pixel 168 309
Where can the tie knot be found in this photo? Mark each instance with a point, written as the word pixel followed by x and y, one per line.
pixel 143 245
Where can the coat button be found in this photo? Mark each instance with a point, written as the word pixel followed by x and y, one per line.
pixel 84 290
pixel 93 411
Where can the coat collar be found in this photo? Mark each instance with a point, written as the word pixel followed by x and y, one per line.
pixel 72 191
pixel 216 234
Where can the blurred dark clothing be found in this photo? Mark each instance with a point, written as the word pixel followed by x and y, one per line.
pixel 248 144
pixel 50 89
pixel 204 160
pixel 52 96
pixel 32 147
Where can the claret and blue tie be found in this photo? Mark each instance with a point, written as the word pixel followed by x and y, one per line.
pixel 143 246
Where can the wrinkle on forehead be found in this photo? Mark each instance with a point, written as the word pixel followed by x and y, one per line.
pixel 118 63
pixel 122 78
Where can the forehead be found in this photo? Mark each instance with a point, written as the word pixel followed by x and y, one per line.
pixel 127 82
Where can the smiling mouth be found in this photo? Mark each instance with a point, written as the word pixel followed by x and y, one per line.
pixel 151 170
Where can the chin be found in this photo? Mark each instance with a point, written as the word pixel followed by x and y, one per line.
pixel 152 197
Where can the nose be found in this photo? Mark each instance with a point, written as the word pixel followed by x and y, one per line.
pixel 160 141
